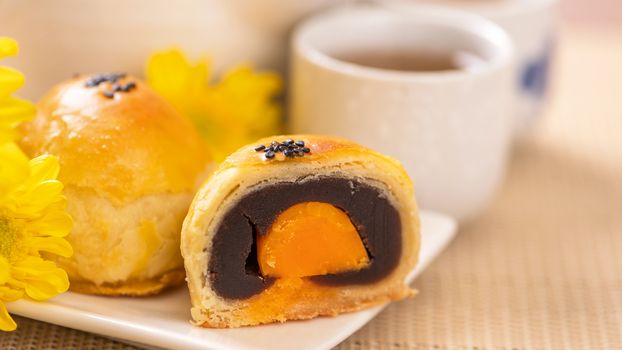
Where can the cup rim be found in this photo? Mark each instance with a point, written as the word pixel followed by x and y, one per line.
pixel 476 25
pixel 494 9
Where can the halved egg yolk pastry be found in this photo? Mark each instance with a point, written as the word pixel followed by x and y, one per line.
pixel 299 226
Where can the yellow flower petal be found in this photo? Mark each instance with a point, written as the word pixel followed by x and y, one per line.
pixel 14 285
pixel 55 223
pixel 8 134
pixel 54 245
pixel 6 322
pixel 42 168
pixel 42 279
pixel 173 77
pixel 34 200
pixel 4 270
pixel 14 110
pixel 46 287
pixel 10 81
pixel 13 168
pixel 8 47
pixel 7 294
pixel 10 294
pixel 167 72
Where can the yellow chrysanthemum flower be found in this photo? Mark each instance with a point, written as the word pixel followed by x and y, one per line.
pixel 237 110
pixel 33 220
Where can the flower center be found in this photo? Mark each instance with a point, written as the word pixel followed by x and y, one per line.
pixel 7 237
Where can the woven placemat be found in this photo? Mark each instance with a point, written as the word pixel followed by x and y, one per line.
pixel 541 268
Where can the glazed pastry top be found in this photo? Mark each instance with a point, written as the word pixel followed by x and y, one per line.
pixel 122 144
pixel 320 147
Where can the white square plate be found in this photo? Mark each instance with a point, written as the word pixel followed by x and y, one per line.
pixel 162 320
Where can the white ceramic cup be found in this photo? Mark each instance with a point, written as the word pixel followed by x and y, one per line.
pixel 451 129
pixel 532 26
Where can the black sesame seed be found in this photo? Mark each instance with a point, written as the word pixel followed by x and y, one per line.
pixel 108 94
pixel 289 148
pixel 117 87
pixel 129 86
pixel 96 80
pixel 113 77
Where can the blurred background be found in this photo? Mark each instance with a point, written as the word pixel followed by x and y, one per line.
pixel 597 12
pixel 232 32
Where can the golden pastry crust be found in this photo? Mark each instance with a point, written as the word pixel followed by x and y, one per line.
pixel 130 165
pixel 131 288
pixel 246 170
pixel 323 147
pixel 326 308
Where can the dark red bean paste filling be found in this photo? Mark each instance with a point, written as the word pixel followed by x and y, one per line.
pixel 233 268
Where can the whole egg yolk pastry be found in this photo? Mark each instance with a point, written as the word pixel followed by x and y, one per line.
pixel 298 226
pixel 130 165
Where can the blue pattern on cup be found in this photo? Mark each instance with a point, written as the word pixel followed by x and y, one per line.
pixel 535 73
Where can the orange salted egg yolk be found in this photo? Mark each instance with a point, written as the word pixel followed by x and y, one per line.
pixel 310 239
